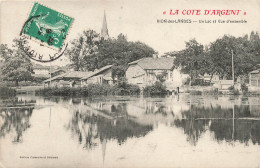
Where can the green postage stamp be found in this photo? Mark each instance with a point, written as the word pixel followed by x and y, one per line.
pixel 47 25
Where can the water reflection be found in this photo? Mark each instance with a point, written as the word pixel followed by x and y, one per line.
pixel 238 123
pixel 98 120
pixel 15 118
pixel 94 121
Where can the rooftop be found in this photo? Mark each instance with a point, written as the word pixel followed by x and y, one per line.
pixel 155 63
pixel 97 72
pixel 71 74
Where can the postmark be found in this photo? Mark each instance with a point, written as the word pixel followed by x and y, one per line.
pixel 43 34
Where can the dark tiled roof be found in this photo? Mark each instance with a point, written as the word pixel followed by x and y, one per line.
pixel 38 66
pixel 154 63
pixel 57 70
pixel 71 74
pixel 41 75
pixel 97 72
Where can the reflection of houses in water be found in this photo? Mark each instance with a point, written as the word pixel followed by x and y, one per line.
pixel 154 111
pixel 93 122
pixel 254 104
pixel 121 119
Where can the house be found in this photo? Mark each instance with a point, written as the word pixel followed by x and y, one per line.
pixel 210 78
pixel 100 76
pixel 223 84
pixel 254 80
pixel 147 71
pixel 57 72
pixel 40 70
pixel 70 79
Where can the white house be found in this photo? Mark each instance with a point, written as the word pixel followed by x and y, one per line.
pixel 147 71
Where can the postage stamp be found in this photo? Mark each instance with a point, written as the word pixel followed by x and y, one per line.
pixel 47 25
pixel 43 35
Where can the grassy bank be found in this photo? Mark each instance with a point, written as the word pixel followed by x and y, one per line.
pixel 121 89
pixel 91 90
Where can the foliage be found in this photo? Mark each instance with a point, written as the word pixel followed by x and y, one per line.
pixel 7 92
pixel 246 53
pixel 90 53
pixel 156 89
pixel 244 88
pixel 162 77
pixel 91 90
pixel 124 88
pixel 84 46
pixel 17 66
pixel 192 59
pixel 233 91
pixel 195 92
pixel 216 58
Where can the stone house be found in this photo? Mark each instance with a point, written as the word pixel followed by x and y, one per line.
pixel 254 80
pixel 147 71
pixel 100 76
pixel 223 84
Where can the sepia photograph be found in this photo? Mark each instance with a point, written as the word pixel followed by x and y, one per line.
pixel 129 83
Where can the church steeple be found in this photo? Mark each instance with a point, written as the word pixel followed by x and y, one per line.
pixel 104 30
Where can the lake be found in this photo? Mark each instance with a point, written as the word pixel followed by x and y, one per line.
pixel 174 131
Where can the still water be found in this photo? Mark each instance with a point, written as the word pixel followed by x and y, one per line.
pixel 176 131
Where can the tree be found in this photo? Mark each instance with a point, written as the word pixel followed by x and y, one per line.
pixel 245 53
pixel 17 66
pixel 216 58
pixel 95 53
pixel 84 46
pixel 118 52
pixel 191 60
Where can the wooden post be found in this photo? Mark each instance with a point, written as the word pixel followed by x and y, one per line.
pixel 233 73
pixel 50 74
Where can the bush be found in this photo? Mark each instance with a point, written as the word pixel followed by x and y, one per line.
pixel 91 90
pixel 156 89
pixel 244 88
pixel 7 92
pixel 211 92
pixel 233 90
pixel 199 82
pixel 195 92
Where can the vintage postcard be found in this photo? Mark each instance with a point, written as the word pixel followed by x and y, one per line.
pixel 129 83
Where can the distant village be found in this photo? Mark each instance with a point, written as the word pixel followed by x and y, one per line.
pixel 142 72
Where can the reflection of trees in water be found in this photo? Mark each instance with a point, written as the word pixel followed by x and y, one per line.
pixel 220 121
pixel 193 128
pixel 244 130
pixel 93 128
pixel 15 120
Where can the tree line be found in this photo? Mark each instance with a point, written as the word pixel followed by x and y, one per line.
pixel 216 58
pixel 89 52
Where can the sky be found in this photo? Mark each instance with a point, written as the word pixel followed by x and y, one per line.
pixel 138 20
